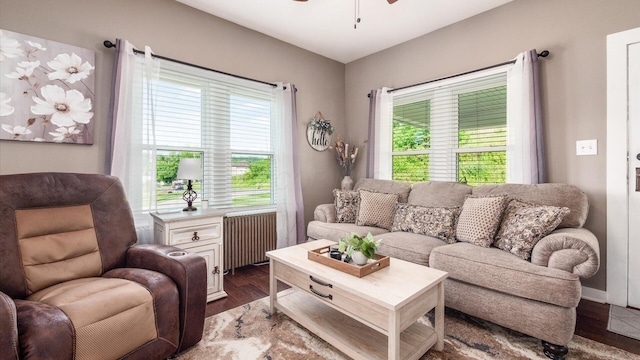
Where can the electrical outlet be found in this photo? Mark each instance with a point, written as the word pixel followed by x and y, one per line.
pixel 587 147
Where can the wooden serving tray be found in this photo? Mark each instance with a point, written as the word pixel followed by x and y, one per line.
pixel 321 255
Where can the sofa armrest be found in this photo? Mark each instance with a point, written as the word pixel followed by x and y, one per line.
pixel 8 327
pixel 189 272
pixel 575 250
pixel 325 213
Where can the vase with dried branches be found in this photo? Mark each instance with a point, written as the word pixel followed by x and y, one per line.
pixel 346 154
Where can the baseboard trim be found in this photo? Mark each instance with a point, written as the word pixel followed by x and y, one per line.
pixel 596 295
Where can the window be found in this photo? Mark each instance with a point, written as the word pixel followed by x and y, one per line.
pixel 224 121
pixel 451 131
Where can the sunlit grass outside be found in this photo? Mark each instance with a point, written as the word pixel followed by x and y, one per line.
pixel 254 200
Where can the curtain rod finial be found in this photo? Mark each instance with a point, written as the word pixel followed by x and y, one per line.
pixel 544 53
pixel 108 44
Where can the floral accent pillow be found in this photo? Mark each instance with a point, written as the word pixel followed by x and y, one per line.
pixel 347 203
pixel 524 224
pixel 480 218
pixel 376 209
pixel 438 222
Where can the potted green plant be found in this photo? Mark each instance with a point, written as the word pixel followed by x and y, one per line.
pixel 359 248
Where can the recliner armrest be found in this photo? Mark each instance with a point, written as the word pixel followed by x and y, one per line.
pixel 44 331
pixel 325 213
pixel 189 272
pixel 8 328
pixel 575 250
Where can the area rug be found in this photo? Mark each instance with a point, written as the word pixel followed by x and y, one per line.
pixel 250 332
pixel 624 321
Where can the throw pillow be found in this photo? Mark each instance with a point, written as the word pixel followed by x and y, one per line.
pixel 480 218
pixel 438 222
pixel 376 209
pixel 524 224
pixel 347 203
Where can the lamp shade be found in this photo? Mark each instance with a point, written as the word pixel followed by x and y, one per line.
pixel 189 169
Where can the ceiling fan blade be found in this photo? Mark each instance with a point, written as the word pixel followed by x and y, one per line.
pixel 391 1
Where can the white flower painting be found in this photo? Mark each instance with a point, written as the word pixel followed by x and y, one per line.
pixel 46 90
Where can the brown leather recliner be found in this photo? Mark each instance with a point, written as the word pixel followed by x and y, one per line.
pixel 74 286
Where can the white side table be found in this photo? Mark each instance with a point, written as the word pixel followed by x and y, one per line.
pixel 198 232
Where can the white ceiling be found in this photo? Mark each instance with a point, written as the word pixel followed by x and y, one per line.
pixel 326 27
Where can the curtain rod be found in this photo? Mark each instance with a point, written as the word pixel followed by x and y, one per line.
pixel 543 54
pixel 109 44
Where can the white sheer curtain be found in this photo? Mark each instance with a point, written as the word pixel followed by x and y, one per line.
pixel 525 155
pixel 131 100
pixel 380 128
pixel 525 158
pixel 290 215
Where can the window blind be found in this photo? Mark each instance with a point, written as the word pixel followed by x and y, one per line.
pixel 225 121
pixel 453 130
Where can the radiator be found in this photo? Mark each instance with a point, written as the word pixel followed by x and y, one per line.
pixel 247 238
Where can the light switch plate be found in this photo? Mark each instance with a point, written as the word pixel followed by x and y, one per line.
pixel 587 147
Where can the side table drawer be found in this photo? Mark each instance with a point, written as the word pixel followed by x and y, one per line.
pixel 340 298
pixel 195 234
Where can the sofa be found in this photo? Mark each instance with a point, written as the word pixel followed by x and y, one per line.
pixel 536 293
pixel 73 282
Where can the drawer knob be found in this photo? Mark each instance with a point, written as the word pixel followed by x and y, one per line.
pixel 216 270
pixel 195 236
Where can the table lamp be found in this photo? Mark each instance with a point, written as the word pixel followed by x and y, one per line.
pixel 189 169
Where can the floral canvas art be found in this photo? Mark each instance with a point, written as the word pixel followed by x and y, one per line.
pixel 46 90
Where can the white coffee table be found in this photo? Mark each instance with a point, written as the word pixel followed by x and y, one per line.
pixel 373 317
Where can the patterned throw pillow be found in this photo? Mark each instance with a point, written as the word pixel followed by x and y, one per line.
pixel 347 203
pixel 439 222
pixel 376 209
pixel 524 224
pixel 480 218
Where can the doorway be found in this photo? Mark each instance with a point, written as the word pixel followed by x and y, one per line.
pixel 623 168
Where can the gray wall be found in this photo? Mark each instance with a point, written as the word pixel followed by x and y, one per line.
pixel 180 32
pixel 573 79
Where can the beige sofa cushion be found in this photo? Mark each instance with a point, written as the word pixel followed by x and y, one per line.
pixel 479 219
pixel 376 209
pixel 439 194
pixel 408 246
pixel 546 194
pixel 385 186
pixel 498 270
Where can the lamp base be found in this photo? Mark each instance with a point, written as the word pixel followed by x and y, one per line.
pixel 189 196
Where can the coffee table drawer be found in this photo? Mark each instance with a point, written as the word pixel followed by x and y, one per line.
pixel 340 298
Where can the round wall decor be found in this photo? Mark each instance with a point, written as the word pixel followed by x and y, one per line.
pixel 319 132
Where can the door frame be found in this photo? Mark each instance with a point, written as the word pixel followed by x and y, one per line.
pixel 617 166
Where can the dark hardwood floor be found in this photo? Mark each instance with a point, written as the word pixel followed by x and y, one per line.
pixel 592 321
pixel 251 283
